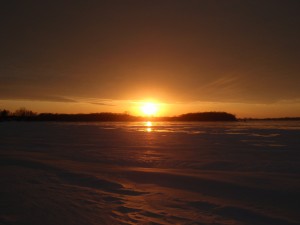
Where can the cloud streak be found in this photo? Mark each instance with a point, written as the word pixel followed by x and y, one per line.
pixel 33 97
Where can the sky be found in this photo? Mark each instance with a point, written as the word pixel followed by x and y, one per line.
pixel 236 56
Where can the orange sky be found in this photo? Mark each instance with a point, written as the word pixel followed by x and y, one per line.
pixel 189 56
pixel 241 110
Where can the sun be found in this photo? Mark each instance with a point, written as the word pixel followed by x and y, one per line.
pixel 149 108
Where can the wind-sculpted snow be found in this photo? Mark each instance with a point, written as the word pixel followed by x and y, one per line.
pixel 149 173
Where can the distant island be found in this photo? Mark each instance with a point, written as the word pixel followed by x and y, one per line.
pixel 27 115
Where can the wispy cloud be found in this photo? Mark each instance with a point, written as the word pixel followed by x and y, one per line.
pixel 96 101
pixel 46 98
pixel 225 88
pixel 102 103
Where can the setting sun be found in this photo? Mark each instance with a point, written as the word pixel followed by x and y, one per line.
pixel 149 108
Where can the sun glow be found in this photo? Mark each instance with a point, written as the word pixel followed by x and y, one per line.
pixel 149 108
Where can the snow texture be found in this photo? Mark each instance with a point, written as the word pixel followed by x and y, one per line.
pixel 143 173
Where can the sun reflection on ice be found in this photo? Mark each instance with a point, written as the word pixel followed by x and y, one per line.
pixel 148 126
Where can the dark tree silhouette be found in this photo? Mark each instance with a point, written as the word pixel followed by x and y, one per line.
pixel 23 114
pixel 4 114
pixel 207 116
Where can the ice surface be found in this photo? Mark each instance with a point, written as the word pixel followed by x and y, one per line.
pixel 150 173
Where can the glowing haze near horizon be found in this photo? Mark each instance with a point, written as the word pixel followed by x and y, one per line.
pixel 186 56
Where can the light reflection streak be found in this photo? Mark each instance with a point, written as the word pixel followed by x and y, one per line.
pixel 148 126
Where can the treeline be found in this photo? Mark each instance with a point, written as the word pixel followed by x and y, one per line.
pixel 207 116
pixel 27 115
pixel 19 113
pixel 23 114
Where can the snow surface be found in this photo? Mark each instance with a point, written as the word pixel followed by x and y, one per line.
pixel 134 173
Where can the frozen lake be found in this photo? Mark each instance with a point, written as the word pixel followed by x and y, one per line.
pixel 150 173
